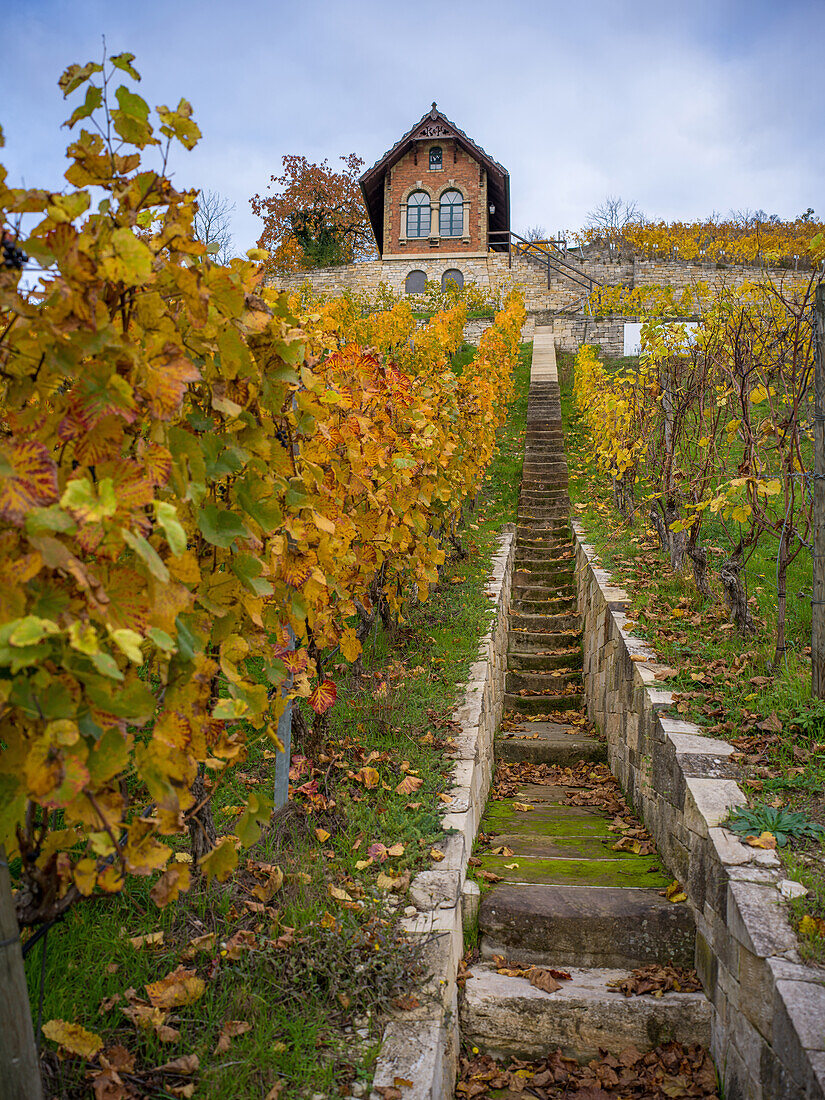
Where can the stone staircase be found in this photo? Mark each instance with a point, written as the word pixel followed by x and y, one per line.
pixel 563 897
pixel 560 295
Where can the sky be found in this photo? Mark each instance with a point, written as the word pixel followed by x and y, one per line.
pixel 685 108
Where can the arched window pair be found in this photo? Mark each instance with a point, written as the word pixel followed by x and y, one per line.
pixel 416 281
pixel 450 215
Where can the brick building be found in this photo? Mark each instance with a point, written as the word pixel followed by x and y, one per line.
pixel 437 196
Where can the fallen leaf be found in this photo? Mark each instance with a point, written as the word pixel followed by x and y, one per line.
pixel 812 926
pixel 436 855
pixel 186 1064
pixel 242 940
pixel 73 1038
pixel 409 784
pixel 522 807
pixel 321 834
pixel 337 893
pixel 396 850
pixel 369 777
pixel 229 1031
pixel 200 943
pixel 764 840
pixel 180 987
pixel 174 881
pixel 543 979
pixel 149 940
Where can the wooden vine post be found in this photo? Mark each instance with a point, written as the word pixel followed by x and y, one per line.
pixel 20 1074
pixel 818 596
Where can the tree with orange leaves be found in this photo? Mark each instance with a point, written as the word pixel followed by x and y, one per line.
pixel 316 217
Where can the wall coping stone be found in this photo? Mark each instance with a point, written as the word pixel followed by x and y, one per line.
pixel 422 1046
pixel 768 1029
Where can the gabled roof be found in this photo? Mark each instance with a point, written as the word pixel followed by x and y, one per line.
pixel 434 124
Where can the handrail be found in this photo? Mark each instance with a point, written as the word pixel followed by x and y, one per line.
pixel 532 250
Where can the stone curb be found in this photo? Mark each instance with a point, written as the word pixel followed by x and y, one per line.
pixel 768 1031
pixel 422 1047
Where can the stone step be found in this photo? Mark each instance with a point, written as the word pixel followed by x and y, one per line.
pixel 558 529
pixel 508 1017
pixel 550 474
pixel 535 642
pixel 543 492
pixel 540 541
pixel 543 624
pixel 533 598
pixel 570 657
pixel 546 545
pixel 561 580
pixel 535 479
pixel 550 550
pixel 585 925
pixel 535 568
pixel 549 743
pixel 553 554
pixel 520 680
pixel 528 514
pixel 556 539
pixel 563 603
pixel 542 704
pixel 544 496
pixel 557 506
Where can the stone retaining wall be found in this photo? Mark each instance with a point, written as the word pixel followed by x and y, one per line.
pixel 422 1046
pixel 768 1035
pixel 569 333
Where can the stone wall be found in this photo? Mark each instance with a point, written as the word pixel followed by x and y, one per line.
pixel 569 333
pixel 768 1032
pixel 422 1046
pixel 493 270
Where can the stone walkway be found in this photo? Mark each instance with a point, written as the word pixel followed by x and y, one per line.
pixel 565 899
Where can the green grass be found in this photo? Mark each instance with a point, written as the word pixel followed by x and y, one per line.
pixel 726 684
pixel 306 992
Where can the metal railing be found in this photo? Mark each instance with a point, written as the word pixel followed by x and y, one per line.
pixel 553 259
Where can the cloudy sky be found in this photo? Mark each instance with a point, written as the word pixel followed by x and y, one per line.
pixel 685 108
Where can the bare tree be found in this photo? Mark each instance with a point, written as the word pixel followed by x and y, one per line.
pixel 614 213
pixel 213 224
pixel 535 233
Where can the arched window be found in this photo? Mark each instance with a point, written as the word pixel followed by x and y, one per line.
pixel 451 222
pixel 418 214
pixel 454 276
pixel 435 158
pixel 416 283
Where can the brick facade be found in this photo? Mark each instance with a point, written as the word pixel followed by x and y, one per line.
pixel 459 172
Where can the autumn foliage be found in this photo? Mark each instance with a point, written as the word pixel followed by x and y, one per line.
pixel 714 427
pixel 190 476
pixel 718 240
pixel 316 217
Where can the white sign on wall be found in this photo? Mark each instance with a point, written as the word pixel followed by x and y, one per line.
pixel 632 338
pixel 633 335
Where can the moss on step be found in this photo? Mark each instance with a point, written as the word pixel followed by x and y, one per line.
pixel 632 871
